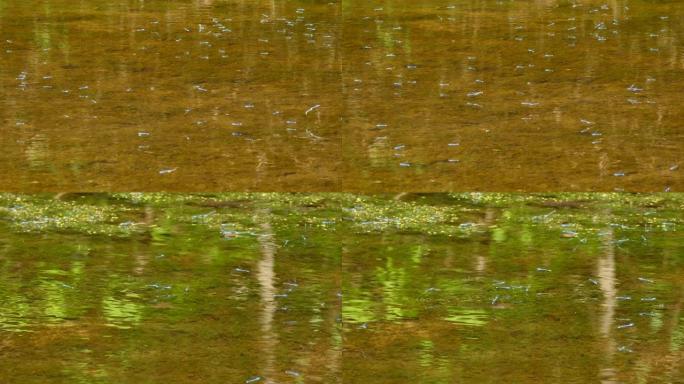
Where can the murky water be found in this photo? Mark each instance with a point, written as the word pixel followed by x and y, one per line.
pixel 341 95
pixel 240 288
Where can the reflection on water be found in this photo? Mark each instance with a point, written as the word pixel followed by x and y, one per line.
pixel 542 290
pixel 606 279
pixel 339 287
pixel 467 317
pixel 266 278
pixel 329 95
pixel 112 289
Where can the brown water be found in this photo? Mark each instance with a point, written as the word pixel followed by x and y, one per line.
pixel 330 288
pixel 341 95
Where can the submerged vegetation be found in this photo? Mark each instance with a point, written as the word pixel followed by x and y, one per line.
pixel 452 214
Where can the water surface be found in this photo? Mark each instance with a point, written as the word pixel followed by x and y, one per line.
pixel 98 289
pixel 344 95
pixel 543 292
pixel 328 288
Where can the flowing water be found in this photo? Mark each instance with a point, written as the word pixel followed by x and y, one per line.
pixel 331 288
pixel 309 95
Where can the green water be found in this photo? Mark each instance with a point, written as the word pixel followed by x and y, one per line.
pixel 295 288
